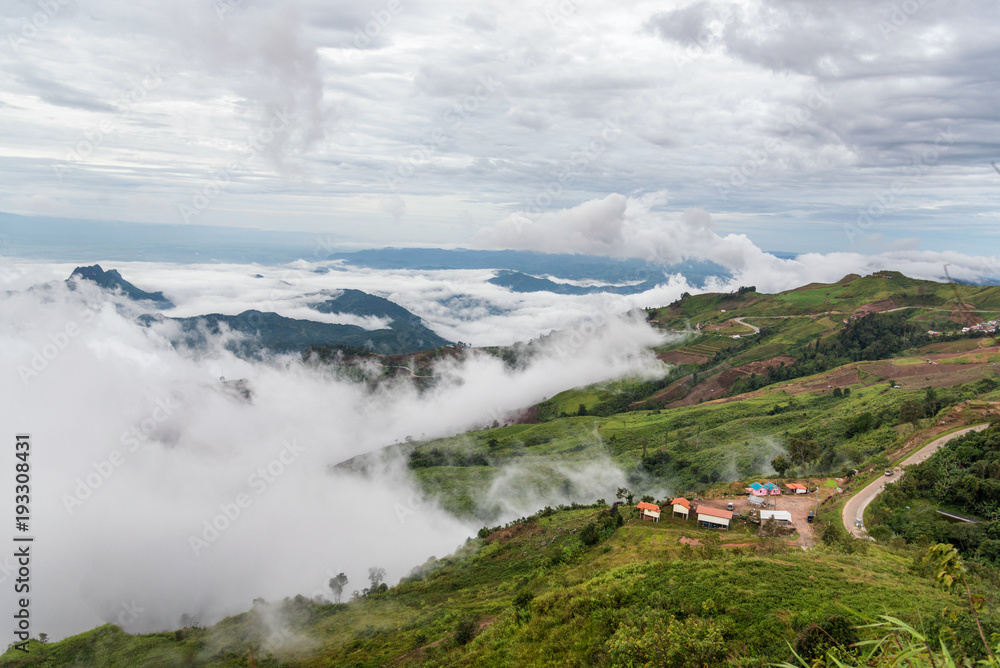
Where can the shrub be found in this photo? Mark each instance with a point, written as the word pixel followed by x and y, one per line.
pixel 816 639
pixel 590 535
pixel 465 630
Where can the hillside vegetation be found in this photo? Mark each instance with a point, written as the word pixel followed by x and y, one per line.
pixel 537 594
pixel 962 478
pixel 839 383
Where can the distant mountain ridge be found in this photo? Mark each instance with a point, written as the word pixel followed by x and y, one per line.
pixel 113 281
pixel 280 334
pixel 406 332
pixel 533 264
pixel 518 282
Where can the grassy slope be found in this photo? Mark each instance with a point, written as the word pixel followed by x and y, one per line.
pixel 758 598
pixel 844 296
pixel 704 443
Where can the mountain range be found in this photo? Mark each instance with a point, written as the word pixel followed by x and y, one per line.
pixel 267 331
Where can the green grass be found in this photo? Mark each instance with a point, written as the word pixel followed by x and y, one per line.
pixel 569 402
pixel 697 445
pixel 758 598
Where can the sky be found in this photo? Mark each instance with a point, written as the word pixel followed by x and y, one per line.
pixel 848 127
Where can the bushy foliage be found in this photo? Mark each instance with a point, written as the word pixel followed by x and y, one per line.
pixel 465 630
pixel 836 631
pixel 438 457
pixel 657 638
pixel 964 476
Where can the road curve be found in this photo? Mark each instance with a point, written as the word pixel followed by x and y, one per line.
pixel 854 509
pixel 756 330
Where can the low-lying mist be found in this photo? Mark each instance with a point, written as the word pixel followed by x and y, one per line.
pixel 159 491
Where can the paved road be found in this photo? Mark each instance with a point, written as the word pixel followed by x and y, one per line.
pixel 854 509
pixel 756 330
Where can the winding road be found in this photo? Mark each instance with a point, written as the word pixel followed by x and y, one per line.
pixel 854 509
pixel 756 330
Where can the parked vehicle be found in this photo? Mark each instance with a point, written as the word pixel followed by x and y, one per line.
pixel 729 506
pixel 888 471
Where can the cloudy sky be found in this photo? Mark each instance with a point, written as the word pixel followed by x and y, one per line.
pixel 806 126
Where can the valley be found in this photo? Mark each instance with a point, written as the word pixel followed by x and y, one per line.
pixel 757 388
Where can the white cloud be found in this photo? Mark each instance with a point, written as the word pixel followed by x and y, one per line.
pixel 751 110
pixel 620 226
pixel 153 446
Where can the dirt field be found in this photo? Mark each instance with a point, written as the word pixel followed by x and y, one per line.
pixel 720 384
pixel 798 505
pixel 677 358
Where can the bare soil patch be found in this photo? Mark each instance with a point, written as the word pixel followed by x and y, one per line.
pixel 875 307
pixel 718 386
pixel 677 358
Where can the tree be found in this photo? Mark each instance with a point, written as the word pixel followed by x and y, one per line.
pixel 376 575
pixel 337 586
pixel 931 403
pixel 582 410
pixel 802 448
pixel 911 411
pixel 780 465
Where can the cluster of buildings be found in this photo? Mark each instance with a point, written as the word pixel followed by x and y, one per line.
pixel 770 489
pixel 713 518
pixel 988 327
pixel 716 518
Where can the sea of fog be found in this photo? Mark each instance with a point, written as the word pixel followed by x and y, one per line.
pixel 157 493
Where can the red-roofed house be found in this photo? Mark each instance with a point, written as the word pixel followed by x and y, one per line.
pixel 798 488
pixel 714 517
pixel 649 511
pixel 681 506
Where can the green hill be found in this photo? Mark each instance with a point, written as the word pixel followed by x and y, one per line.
pixel 831 401
pixel 885 289
pixel 536 594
